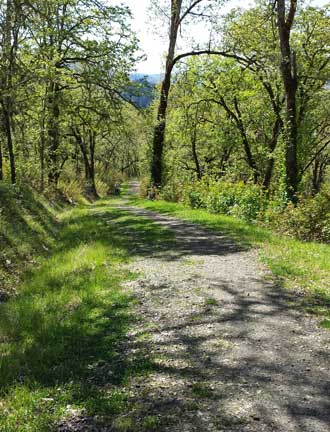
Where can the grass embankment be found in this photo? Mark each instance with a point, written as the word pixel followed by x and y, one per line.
pixel 303 266
pixel 27 230
pixel 62 336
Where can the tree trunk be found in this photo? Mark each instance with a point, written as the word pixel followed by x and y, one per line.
pixel 7 99
pixel 1 163
pixel 89 163
pixel 194 148
pixel 237 117
pixel 10 145
pixel 272 146
pixel 159 131
pixel 289 76
pixel 318 173
pixel 53 133
pixel 91 179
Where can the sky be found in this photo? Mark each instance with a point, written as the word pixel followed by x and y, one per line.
pixel 153 45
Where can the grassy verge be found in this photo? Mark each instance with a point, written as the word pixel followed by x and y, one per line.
pixel 303 266
pixel 27 229
pixel 62 338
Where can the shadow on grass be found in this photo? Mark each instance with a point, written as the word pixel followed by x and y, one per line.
pixel 63 339
pixel 64 346
pixel 27 229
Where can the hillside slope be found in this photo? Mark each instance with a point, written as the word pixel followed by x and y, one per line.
pixel 27 231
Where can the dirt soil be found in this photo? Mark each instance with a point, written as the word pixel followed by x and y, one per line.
pixel 232 353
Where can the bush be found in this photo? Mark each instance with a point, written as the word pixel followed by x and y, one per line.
pixel 243 201
pixel 309 220
pixel 172 191
pixel 70 191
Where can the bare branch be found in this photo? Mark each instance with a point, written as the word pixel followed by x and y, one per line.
pixel 189 10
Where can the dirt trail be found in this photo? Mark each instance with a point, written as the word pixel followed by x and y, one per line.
pixel 230 353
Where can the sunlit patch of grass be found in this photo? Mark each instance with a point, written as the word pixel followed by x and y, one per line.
pixel 303 266
pixel 61 338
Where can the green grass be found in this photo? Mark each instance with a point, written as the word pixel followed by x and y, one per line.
pixel 62 336
pixel 211 301
pixel 303 266
pixel 27 229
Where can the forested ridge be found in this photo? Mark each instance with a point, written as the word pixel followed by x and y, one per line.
pixel 164 237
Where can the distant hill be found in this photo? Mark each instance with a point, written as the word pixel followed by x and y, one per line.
pixel 142 91
pixel 151 78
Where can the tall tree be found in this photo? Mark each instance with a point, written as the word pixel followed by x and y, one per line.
pixel 285 22
pixel 179 12
pixel 159 132
pixel 11 13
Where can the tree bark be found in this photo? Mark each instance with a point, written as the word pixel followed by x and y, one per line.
pixel 237 117
pixel 195 155
pixel 159 131
pixel 91 179
pixel 10 145
pixel 89 160
pixel 9 49
pixel 1 163
pixel 290 81
pixel 278 125
pixel 53 133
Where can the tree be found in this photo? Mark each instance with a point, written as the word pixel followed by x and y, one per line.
pixel 290 80
pixel 11 23
pixel 179 12
pixel 68 58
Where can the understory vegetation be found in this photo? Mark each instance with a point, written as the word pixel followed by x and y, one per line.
pixel 63 336
pixel 308 220
pixel 28 230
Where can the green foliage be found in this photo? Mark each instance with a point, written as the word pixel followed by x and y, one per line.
pixel 172 191
pixel 70 190
pixel 308 220
pixel 62 336
pixel 244 201
pixel 27 230
pixel 226 117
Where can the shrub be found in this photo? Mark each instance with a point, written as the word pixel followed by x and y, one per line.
pixel 309 220
pixel 70 191
pixel 172 191
pixel 101 187
pixel 244 201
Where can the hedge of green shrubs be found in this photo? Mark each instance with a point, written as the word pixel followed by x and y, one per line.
pixel 244 201
pixel 308 220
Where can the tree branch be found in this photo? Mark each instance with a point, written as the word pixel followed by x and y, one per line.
pixel 315 156
pixel 210 52
pixel 189 9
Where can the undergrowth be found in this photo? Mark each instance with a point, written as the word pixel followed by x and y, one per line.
pixel 63 336
pixel 28 229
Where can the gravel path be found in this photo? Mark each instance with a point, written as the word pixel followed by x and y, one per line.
pixel 230 352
